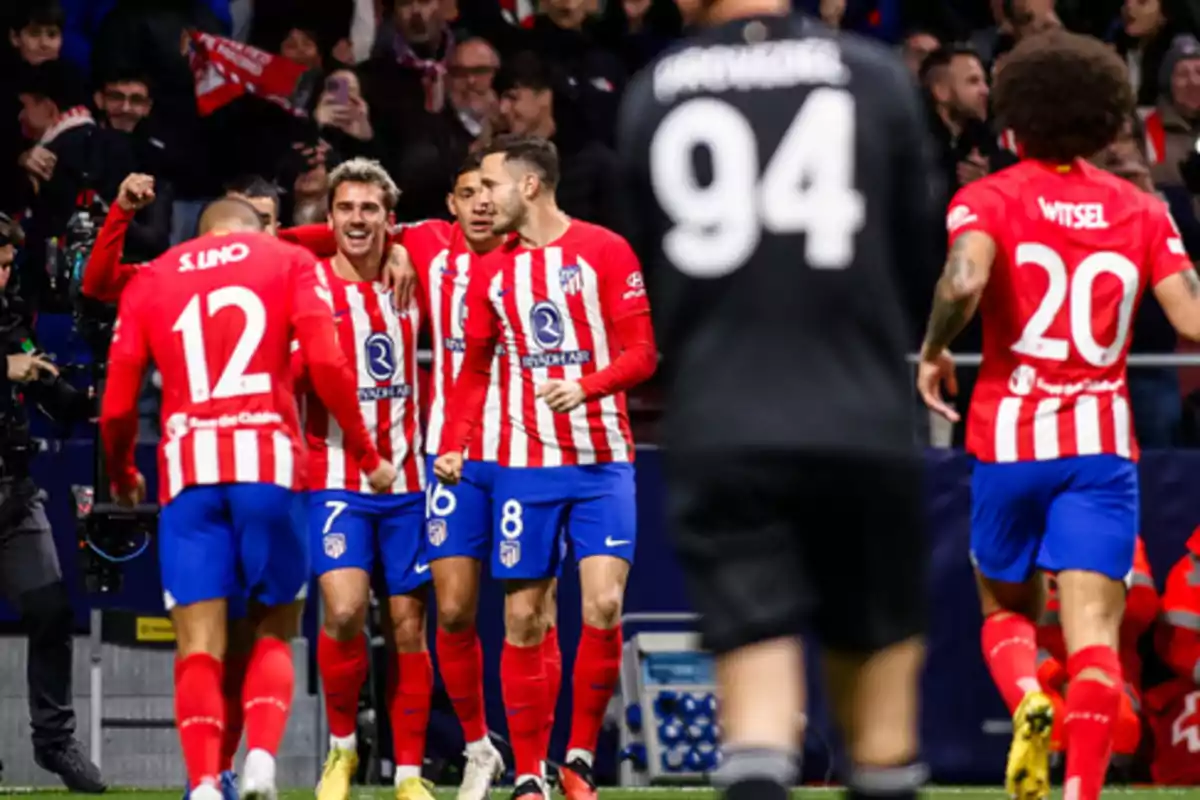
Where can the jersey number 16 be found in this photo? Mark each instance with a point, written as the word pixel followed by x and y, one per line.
pixel 806 187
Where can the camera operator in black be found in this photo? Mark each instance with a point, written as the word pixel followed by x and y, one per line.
pixel 30 575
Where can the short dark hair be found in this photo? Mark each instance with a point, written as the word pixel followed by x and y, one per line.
pixel 124 73
pixel 537 153
pixel 52 80
pixel 254 186
pixel 470 164
pixel 525 70
pixel 37 12
pixel 1063 95
pixel 941 58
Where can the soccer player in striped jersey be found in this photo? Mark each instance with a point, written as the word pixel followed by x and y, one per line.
pixel 565 299
pixel 352 532
pixel 217 315
pixel 459 519
pixel 1055 254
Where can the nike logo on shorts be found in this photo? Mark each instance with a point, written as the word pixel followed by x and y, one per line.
pixel 421 569
pixel 611 542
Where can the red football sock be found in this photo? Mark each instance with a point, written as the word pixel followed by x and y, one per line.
pixel 523 685
pixel 343 667
pixel 552 658
pixel 410 686
pixel 231 689
pixel 597 667
pixel 1092 709
pixel 270 684
pixel 460 658
pixel 199 715
pixel 1010 650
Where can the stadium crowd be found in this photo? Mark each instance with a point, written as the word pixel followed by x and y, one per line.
pixel 158 107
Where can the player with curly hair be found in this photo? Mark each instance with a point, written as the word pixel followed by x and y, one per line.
pixel 1055 253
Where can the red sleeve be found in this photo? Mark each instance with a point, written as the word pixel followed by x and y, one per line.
pixel 1177 638
pixel 464 411
pixel 317 239
pixel 975 208
pixel 1167 253
pixel 104 276
pixel 623 300
pixel 329 372
pixel 127 361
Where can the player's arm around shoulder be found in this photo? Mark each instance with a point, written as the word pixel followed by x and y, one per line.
pixel 1172 275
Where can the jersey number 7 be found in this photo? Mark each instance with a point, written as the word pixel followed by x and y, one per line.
pixel 806 187
pixel 234 380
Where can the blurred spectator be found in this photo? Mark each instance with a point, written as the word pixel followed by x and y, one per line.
pixel 916 46
pixel 123 100
pixel 638 30
pixel 956 84
pixel 309 201
pixel 344 118
pixel 472 72
pixel 530 105
pixel 36 32
pixel 1174 125
pixel 413 86
pixel 260 193
pixel 300 45
pixel 1144 40
pixel 315 33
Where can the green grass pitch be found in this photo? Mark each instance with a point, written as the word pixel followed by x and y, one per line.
pixel 381 793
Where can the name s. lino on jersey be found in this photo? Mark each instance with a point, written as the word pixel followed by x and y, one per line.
pixel 1070 267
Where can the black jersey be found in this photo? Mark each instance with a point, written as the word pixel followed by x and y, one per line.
pixel 781 197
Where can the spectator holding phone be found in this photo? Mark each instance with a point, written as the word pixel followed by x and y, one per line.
pixel 344 117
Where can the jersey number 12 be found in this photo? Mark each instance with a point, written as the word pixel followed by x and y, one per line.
pixel 806 187
pixel 234 380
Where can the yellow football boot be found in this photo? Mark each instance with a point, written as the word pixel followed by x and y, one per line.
pixel 414 789
pixel 340 766
pixel 1027 776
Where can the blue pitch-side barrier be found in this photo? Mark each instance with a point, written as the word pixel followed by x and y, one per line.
pixel 959 697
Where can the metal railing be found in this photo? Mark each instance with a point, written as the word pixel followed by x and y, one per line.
pixel 1136 360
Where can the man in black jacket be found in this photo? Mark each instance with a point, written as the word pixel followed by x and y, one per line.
pixel 29 570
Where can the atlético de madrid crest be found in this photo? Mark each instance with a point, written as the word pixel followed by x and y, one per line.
pixel 571 278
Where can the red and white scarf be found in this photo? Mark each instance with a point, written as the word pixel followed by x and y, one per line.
pixel 433 70
pixel 225 70
pixel 76 117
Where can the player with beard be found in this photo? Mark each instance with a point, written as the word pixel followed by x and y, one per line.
pixel 1055 254
pixel 355 535
pixel 565 300
pixel 781 228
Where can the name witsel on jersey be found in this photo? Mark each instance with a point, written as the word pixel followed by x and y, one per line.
pixel 744 67
pixel 1076 216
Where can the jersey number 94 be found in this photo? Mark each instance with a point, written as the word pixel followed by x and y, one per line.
pixel 807 186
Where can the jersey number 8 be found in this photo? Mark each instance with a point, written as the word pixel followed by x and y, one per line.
pixel 1034 341
pixel 806 187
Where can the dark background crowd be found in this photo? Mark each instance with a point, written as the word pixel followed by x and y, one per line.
pixel 93 90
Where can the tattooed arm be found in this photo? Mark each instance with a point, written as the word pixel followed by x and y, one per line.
pixel 958 290
pixel 1179 296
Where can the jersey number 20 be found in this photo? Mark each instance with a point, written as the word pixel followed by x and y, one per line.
pixel 234 380
pixel 1075 289
pixel 807 185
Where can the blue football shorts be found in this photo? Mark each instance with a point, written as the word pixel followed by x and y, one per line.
pixel 238 541
pixel 537 510
pixel 353 530
pixel 458 519
pixel 1077 513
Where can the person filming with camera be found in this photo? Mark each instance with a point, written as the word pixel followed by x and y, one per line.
pixel 30 575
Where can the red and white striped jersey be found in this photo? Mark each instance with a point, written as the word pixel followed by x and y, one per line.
pixel 1075 249
pixel 381 346
pixel 553 310
pixel 216 316
pixel 444 266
